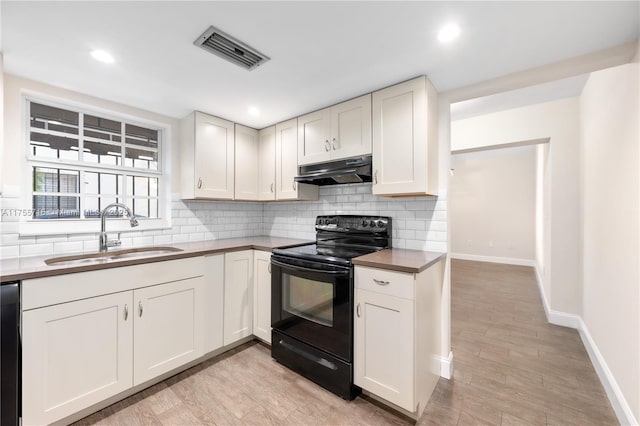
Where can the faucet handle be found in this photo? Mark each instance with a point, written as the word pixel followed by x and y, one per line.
pixel 114 243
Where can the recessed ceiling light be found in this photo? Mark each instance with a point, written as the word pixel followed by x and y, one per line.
pixel 102 56
pixel 253 111
pixel 448 32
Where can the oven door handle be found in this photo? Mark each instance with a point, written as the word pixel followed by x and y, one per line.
pixel 303 269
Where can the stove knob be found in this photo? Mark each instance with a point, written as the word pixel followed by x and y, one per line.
pixel 364 223
pixel 372 223
pixel 380 224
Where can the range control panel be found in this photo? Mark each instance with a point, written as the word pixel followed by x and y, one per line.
pixel 346 223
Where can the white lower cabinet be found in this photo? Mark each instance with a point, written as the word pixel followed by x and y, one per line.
pixel 91 335
pixel 74 355
pixel 397 334
pixel 238 295
pixel 168 327
pixel 262 295
pixel 213 302
pixel 384 347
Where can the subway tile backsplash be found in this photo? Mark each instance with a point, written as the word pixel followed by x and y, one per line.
pixel 418 223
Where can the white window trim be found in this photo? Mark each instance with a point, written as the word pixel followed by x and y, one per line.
pixel 34 227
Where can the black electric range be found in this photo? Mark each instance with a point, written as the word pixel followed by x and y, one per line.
pixel 312 299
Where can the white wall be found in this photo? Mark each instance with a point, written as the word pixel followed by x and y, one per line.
pixel 610 182
pixel 492 201
pixel 559 121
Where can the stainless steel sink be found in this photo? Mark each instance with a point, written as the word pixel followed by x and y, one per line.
pixel 105 257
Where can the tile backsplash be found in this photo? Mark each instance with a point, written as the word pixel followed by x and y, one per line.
pixel 418 223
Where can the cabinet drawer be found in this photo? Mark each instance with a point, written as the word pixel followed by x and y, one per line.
pixel 398 284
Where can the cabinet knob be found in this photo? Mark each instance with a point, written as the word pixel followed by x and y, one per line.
pixel 140 309
pixel 126 312
pixel 327 146
pixel 333 144
pixel 199 183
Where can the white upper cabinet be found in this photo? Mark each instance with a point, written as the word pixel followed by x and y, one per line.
pixel 247 157
pixel 351 128
pixel 207 157
pixel 405 139
pixel 287 165
pixel 267 164
pixel 341 131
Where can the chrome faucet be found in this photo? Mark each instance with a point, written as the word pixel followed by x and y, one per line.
pixel 104 241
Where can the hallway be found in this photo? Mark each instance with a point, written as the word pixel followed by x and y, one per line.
pixel 511 366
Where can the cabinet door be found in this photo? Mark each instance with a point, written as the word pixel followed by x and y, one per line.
pixel 267 166
pixel 247 153
pixel 313 137
pixel 351 128
pixel 74 355
pixel 214 157
pixel 213 302
pixel 238 295
pixel 286 159
pixel 400 139
pixel 287 165
pixel 262 295
pixel 384 347
pixel 168 327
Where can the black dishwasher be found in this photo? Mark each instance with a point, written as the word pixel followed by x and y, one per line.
pixel 10 353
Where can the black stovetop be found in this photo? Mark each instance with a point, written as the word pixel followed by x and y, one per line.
pixel 340 238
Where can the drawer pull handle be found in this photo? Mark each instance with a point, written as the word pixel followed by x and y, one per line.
pixel 381 282
pixel 126 312
pixel 199 183
pixel 327 146
pixel 333 144
pixel 271 187
pixel 269 268
pixel 140 309
pixel 358 310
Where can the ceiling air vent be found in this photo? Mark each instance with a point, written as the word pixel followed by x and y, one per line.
pixel 217 42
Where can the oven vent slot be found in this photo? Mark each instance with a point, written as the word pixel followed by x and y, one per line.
pixel 233 50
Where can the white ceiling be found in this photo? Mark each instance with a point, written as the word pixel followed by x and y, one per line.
pixel 321 52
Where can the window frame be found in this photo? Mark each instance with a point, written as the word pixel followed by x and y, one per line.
pixel 30 226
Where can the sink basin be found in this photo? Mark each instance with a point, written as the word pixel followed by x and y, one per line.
pixel 105 257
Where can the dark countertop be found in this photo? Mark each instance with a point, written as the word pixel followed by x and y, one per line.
pixel 412 261
pixel 23 268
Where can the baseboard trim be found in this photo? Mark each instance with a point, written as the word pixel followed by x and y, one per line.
pixel 494 259
pixel 446 366
pixel 616 398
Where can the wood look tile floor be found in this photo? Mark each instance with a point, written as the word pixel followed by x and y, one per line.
pixel 511 368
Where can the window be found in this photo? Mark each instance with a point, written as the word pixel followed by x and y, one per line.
pixel 80 162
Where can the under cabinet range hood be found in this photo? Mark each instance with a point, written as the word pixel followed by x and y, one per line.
pixel 351 170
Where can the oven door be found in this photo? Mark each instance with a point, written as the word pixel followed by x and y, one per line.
pixel 313 302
